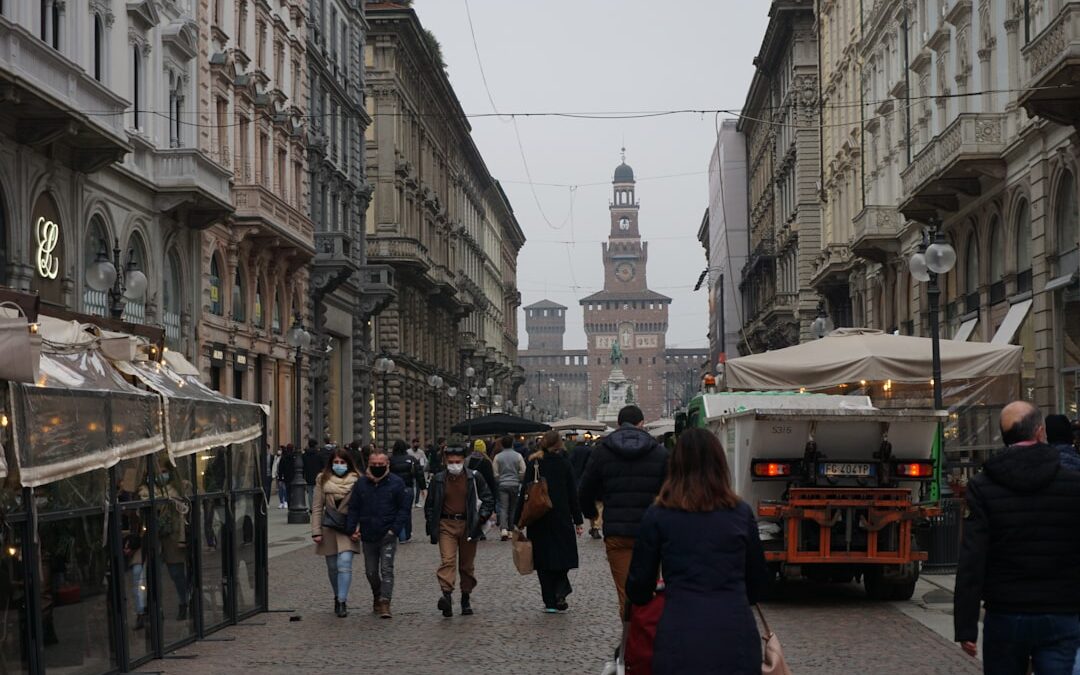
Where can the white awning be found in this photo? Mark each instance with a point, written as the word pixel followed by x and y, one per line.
pixel 1012 322
pixel 1059 282
pixel 965 330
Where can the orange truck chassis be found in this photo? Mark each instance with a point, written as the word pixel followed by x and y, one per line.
pixel 878 508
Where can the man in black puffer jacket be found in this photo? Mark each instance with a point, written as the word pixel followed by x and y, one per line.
pixel 625 472
pixel 1020 554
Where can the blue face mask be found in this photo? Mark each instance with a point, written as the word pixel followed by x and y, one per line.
pixel 339 469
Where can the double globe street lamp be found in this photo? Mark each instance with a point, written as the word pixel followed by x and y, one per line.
pixel 299 339
pixel 103 276
pixel 934 257
pixel 436 384
pixel 384 365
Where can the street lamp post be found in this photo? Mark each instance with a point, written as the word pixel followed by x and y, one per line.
pixel 934 258
pixel 103 276
pixel 299 339
pixel 436 383
pixel 470 396
pixel 558 396
pixel 820 326
pixel 384 365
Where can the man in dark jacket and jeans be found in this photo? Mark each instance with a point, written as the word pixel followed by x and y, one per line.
pixel 625 472
pixel 458 504
pixel 1020 555
pixel 378 509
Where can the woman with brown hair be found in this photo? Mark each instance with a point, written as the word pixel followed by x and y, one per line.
pixel 333 487
pixel 706 540
pixel 553 535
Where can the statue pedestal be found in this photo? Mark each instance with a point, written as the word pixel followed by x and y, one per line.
pixel 617 393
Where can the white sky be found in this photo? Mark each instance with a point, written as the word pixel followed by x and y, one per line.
pixel 602 56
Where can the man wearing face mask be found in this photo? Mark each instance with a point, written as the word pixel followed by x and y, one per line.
pixel 378 509
pixel 458 503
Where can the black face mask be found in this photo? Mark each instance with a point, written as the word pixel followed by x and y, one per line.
pixel 378 471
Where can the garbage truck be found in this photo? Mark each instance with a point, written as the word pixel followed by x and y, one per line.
pixel 837 484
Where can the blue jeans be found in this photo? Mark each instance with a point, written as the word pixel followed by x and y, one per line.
pixel 406 532
pixel 1049 641
pixel 138 582
pixel 282 492
pixel 339 569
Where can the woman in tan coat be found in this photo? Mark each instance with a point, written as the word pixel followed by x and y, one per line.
pixel 332 490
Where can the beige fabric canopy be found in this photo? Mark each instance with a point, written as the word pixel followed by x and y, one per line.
pixel 853 354
pixel 578 423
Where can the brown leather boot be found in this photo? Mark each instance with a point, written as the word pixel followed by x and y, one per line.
pixel 376 606
pixel 384 609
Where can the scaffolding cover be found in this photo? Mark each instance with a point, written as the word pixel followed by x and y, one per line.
pixel 196 417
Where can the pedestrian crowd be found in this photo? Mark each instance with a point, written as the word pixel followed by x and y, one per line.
pixel 652 508
pixel 679 542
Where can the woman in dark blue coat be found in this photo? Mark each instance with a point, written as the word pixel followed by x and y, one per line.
pixel 706 541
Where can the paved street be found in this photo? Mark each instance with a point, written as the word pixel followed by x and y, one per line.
pixel 825 630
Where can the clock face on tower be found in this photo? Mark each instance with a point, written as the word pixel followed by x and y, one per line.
pixel 624 223
pixel 624 271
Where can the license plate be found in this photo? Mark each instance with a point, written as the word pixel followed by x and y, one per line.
pixel 846 469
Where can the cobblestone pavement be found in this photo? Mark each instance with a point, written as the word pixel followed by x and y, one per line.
pixel 824 630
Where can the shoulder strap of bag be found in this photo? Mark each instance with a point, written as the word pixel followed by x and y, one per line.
pixel 764 623
pixel 536 471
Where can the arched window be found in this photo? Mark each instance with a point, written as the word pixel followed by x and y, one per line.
pixel 99 48
pixel 136 89
pixel 1066 219
pixel 172 301
pixel 997 263
pixel 257 313
pixel 276 313
pixel 971 274
pixel 95 303
pixel 1023 248
pixel 215 287
pixel 135 308
pixel 239 299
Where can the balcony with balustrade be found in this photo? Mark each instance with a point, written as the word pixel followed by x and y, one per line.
pixel 48 100
pixel 1051 63
pixel 193 185
pixel 954 166
pixel 877 232
pixel 406 253
pixel 275 218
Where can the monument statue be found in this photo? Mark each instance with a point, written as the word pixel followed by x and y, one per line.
pixel 630 394
pixel 604 394
pixel 616 352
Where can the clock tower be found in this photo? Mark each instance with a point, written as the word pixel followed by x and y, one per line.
pixel 626 312
pixel 624 253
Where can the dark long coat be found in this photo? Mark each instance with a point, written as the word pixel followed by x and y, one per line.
pixel 714 569
pixel 553 537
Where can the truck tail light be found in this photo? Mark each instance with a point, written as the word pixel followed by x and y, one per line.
pixel 915 469
pixel 772 469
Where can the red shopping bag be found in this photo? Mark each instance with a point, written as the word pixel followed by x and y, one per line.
pixel 641 633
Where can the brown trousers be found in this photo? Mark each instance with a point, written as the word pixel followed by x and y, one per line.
pixel 619 552
pixel 456 552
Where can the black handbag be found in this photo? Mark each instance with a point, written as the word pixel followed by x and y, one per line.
pixel 333 519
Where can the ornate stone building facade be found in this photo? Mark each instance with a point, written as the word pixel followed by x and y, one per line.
pixel 782 128
pixel 121 177
pixel 253 96
pixel 956 118
pixel 345 291
pixel 444 225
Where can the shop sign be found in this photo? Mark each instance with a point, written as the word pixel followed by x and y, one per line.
pixel 47 236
